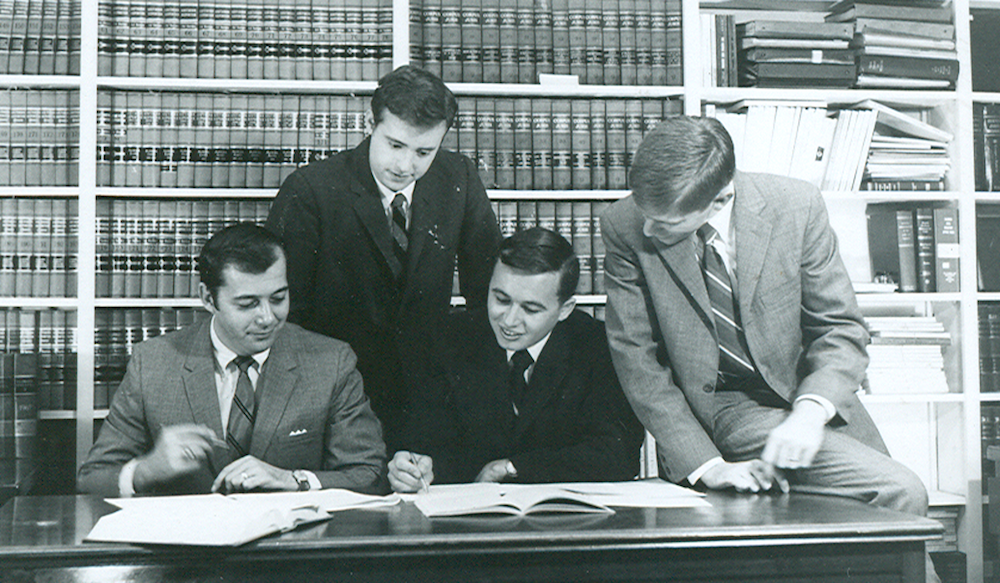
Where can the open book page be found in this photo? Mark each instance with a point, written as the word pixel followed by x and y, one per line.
pixel 652 493
pixel 330 499
pixel 459 500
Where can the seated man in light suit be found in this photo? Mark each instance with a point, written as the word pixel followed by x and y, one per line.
pixel 560 416
pixel 243 402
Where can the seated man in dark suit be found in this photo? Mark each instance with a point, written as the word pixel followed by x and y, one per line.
pixel 242 402
pixel 523 391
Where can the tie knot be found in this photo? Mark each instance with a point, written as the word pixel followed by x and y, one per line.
pixel 521 360
pixel 707 233
pixel 243 362
pixel 399 202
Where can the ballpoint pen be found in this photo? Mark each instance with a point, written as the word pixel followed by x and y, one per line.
pixel 423 483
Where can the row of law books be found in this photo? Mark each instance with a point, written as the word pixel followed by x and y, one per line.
pixel 906 355
pixel 867 145
pixel 914 246
pixel 40 37
pixel 49 336
pixel 250 39
pixel 38 247
pixel 39 137
pixel 601 42
pixel 118 330
pixel 555 144
pixel 578 221
pixel 147 248
pixel 989 347
pixel 219 140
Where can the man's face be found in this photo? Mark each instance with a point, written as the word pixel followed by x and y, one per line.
pixel 524 308
pixel 671 227
pixel 400 153
pixel 249 308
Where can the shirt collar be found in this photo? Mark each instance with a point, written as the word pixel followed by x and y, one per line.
pixel 224 355
pixel 534 350
pixel 388 194
pixel 722 221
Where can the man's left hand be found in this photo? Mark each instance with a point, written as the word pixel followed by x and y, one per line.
pixel 794 443
pixel 495 471
pixel 249 474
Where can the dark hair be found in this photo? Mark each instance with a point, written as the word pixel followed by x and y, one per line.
pixel 539 250
pixel 682 164
pixel 247 247
pixel 415 96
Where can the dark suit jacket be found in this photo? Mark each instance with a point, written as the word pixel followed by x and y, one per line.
pixel 312 412
pixel 337 239
pixel 575 425
pixel 798 310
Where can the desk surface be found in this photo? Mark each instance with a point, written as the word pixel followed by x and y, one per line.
pixel 49 531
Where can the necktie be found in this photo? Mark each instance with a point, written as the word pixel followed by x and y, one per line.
pixel 519 363
pixel 732 356
pixel 397 226
pixel 241 414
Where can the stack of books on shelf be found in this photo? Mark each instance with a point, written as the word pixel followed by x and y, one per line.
pixel 578 221
pixel 914 246
pixel 782 53
pixel 148 248
pixel 901 45
pixel 39 137
pixel 989 347
pixel 118 330
pixel 49 337
pixel 601 42
pixel 905 153
pixel 38 247
pixel 906 355
pixel 40 37
pixel 257 39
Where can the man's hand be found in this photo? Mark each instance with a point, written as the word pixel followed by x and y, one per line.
pixel 410 472
pixel 748 476
pixel 179 450
pixel 794 443
pixel 495 471
pixel 249 473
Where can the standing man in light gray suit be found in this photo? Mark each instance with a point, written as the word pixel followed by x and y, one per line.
pixel 243 402
pixel 759 393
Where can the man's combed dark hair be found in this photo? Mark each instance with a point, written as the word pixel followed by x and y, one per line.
pixel 539 250
pixel 682 164
pixel 247 247
pixel 416 96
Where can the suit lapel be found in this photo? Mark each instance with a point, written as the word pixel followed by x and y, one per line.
pixel 546 377
pixel 681 264
pixel 274 389
pixel 368 206
pixel 753 234
pixel 198 377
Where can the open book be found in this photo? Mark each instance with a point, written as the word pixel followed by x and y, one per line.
pixel 218 520
pixel 491 498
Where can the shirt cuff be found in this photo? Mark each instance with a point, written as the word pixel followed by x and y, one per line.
pixel 696 475
pixel 314 483
pixel 831 410
pixel 126 488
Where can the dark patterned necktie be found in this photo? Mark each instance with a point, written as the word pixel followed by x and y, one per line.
pixel 732 356
pixel 519 363
pixel 400 240
pixel 241 414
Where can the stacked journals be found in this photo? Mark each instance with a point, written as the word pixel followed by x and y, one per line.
pixel 118 330
pixel 613 42
pixel 914 246
pixel 989 347
pixel 906 355
pixel 256 39
pixel 49 336
pixel 38 247
pixel 40 37
pixel 901 46
pixel 39 137
pixel 780 53
pixel 905 153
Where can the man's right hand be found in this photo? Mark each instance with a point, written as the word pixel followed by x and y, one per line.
pixel 748 476
pixel 179 450
pixel 410 472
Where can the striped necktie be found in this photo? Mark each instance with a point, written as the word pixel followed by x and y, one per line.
pixel 397 226
pixel 732 355
pixel 241 414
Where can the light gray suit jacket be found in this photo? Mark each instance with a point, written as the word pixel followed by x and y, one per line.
pixel 312 413
pixel 798 310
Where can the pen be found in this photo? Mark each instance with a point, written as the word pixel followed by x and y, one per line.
pixel 423 482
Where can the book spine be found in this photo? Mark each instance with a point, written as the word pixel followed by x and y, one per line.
pixel 946 249
pixel 916 67
pixel 541 135
pixel 616 142
pixel 416 15
pixel 923 224
pixel 906 239
pixel 594 41
pixel 271 44
pixel 59 249
pixel 102 248
pixel 41 249
pixel 26 399
pixel 136 38
pixel 154 39
pixel 523 155
pixel 25 247
pixel 490 35
pixel 187 44
pixel 526 48
pixel 151 261
pixel 286 41
pixel 611 42
pixel 133 241
pixel 171 44
pixel 220 150
pixel 486 141
pixel 562 145
pixel 580 143
pixel 471 33
pixel 583 245
pixel 505 151
pixel 598 145
pixel 560 37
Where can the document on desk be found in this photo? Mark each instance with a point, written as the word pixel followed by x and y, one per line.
pixel 510 499
pixel 218 520
pixel 650 493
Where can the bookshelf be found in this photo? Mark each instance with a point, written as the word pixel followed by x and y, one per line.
pixel 946 427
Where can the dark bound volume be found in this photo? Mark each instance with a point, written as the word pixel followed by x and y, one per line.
pixel 891 245
pixel 985 47
pixel 916 67
pixel 25 404
pixel 988 246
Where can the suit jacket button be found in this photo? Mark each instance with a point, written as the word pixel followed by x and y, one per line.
pixel 708 388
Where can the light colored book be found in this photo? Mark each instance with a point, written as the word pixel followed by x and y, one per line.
pixel 492 498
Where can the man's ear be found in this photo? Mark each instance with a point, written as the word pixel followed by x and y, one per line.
pixel 206 298
pixel 567 308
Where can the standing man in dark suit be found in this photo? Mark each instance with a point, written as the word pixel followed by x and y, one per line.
pixel 242 402
pixel 523 391
pixel 373 235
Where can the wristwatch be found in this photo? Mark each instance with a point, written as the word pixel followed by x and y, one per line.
pixel 302 479
pixel 510 469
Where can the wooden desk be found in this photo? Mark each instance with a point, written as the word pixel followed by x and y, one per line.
pixel 740 538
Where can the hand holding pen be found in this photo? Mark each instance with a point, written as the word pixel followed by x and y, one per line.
pixel 410 472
